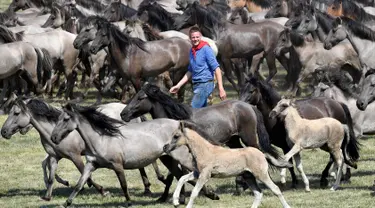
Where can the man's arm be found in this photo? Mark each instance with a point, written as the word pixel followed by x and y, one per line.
pixel 184 79
pixel 222 93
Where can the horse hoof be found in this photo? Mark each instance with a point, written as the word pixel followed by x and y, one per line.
pixel 106 194
pixel 161 199
pixel 45 198
pixel 307 190
pixel 181 200
pixel 147 192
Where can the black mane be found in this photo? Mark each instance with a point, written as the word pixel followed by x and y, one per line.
pixel 121 39
pixel 324 20
pixel 8 36
pixel 358 29
pixel 158 16
pixel 268 93
pixel 95 4
pixel 352 9
pixel 123 12
pixel 42 110
pixel 101 123
pixel 370 72
pixel 150 33
pixel 173 108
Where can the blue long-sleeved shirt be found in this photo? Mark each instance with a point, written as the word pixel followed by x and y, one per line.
pixel 203 66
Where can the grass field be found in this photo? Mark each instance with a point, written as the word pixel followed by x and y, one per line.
pixel 21 179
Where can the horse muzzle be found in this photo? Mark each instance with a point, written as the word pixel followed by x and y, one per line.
pixel 272 115
pixel 361 104
pixel 6 134
pixel 327 46
pixel 167 148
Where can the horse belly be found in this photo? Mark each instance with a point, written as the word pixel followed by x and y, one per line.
pixel 10 63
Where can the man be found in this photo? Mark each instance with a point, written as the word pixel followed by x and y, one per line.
pixel 203 65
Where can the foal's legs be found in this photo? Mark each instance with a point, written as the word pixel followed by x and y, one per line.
pixel 251 181
pixel 180 184
pixel 89 168
pixel 204 175
pixel 297 159
pixel 338 157
pixel 52 163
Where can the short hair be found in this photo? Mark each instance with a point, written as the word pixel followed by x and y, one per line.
pixel 194 29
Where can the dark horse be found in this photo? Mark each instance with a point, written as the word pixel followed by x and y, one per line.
pixel 262 95
pixel 226 122
pixel 253 42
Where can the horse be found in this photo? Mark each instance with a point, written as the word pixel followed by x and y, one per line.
pixel 59 44
pixel 138 59
pixel 236 41
pixel 362 39
pixel 312 55
pixel 139 144
pixel 258 92
pixel 325 133
pixel 349 9
pixel 362 120
pixel 216 161
pixel 242 16
pixel 33 64
pixel 284 8
pixel 117 11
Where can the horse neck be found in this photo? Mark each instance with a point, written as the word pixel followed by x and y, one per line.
pixel 200 148
pixel 44 129
pixel 358 46
pixel 121 59
pixel 292 119
pixel 157 111
pixel 91 138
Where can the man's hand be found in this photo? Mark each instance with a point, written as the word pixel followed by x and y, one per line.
pixel 222 94
pixel 174 89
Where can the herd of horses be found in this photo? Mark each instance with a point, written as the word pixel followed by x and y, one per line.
pixel 135 51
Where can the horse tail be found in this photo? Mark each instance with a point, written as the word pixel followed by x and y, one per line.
pixel 281 163
pixel 39 67
pixel 344 147
pixel 351 144
pixel 44 65
pixel 263 137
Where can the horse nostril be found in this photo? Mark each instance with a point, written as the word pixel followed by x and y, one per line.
pixel 165 148
pixel 3 132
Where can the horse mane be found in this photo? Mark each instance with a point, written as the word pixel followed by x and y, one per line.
pixel 173 108
pixel 193 126
pixel 207 18
pixel 358 29
pixel 150 33
pixel 95 4
pixel 9 36
pixel 42 110
pixel 324 20
pixel 352 9
pixel 269 94
pixel 121 39
pixel 101 123
pixel 158 15
pixel 242 13
pixel 218 6
pixel 92 20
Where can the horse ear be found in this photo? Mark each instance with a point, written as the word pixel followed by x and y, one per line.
pixel 195 4
pixel 182 127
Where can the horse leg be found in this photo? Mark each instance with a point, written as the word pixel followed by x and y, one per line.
pixel 158 173
pixel 270 58
pixel 252 183
pixel 291 170
pixel 265 178
pixel 338 157
pixel 176 194
pixel 44 168
pixel 227 67
pixel 204 175
pixel 297 159
pixel 77 161
pixel 52 163
pixel 121 177
pixel 325 173
pixel 146 182
pixel 61 180
pixel 70 79
pixel 89 168
pixel 255 64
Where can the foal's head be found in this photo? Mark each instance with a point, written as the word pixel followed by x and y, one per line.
pixel 280 109
pixel 250 92
pixel 179 138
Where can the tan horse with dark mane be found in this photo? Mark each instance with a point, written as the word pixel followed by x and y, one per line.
pixel 216 161
pixel 325 133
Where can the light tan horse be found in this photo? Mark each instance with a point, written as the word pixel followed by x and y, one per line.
pixel 325 133
pixel 216 161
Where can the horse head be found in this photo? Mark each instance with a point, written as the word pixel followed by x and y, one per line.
pixel 67 122
pixel 19 118
pixel 138 105
pixel 280 109
pixel 178 139
pixel 308 22
pixel 57 17
pixel 250 93
pixel 367 90
pixel 280 9
pixel 337 34
pixel 283 43
pixel 88 31
pixel 188 18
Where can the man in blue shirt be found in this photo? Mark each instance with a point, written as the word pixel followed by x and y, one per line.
pixel 203 65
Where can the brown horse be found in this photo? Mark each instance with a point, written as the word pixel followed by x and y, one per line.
pixel 349 9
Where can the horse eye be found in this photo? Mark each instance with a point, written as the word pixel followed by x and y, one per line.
pixel 53 17
pixel 283 39
pixel 307 20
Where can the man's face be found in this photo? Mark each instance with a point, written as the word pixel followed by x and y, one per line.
pixel 195 38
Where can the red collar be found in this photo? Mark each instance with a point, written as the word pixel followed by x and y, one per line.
pixel 194 49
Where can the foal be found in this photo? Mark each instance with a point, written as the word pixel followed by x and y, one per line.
pixel 325 133
pixel 216 161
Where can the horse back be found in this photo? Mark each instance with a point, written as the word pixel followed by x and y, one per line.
pixel 321 107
